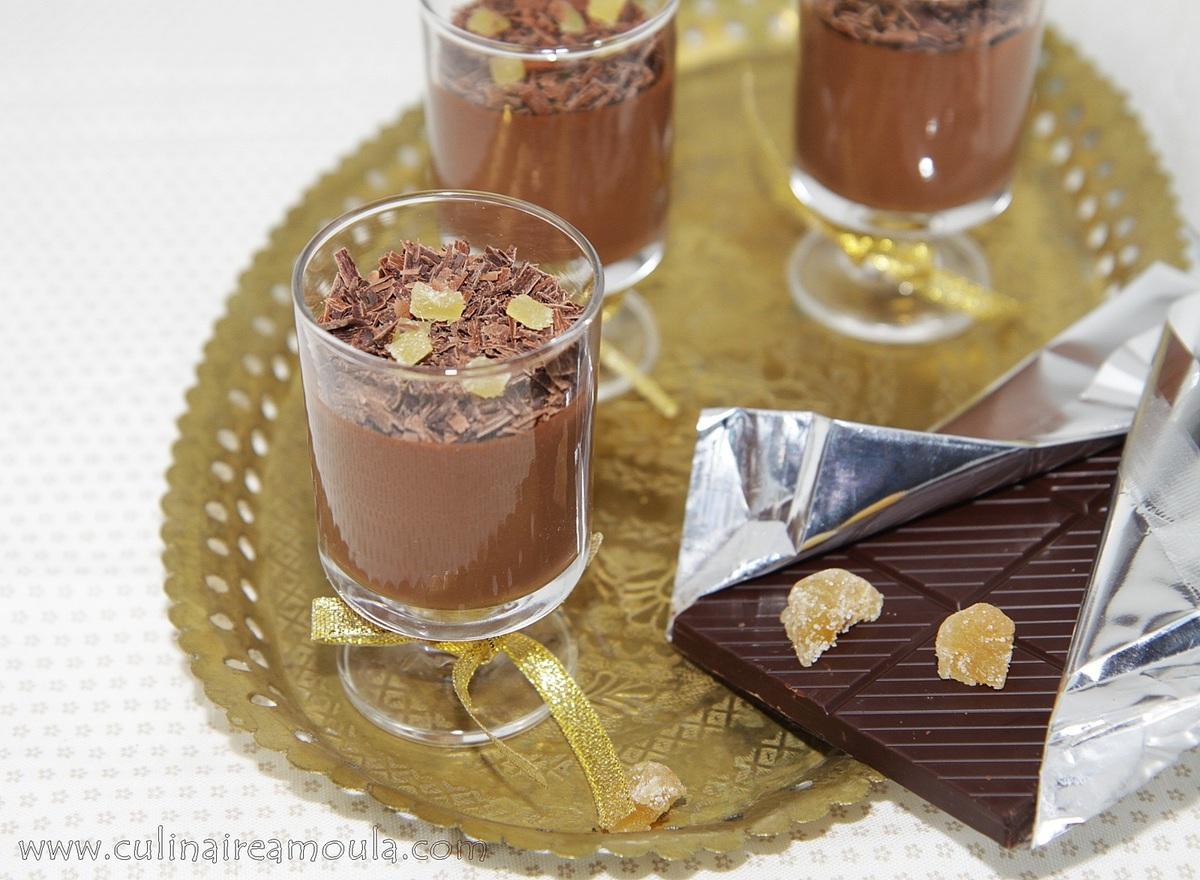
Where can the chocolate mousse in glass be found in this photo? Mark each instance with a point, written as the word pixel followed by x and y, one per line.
pixel 566 104
pixel 447 345
pixel 909 115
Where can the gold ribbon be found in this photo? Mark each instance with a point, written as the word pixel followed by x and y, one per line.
pixel 910 265
pixel 615 360
pixel 336 623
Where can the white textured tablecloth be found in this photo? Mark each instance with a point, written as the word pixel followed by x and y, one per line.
pixel 145 150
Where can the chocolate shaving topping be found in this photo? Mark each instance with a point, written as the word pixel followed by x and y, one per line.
pixel 931 25
pixel 367 312
pixel 553 87
pixel 539 23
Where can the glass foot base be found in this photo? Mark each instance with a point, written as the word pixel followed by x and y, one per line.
pixel 406 689
pixel 631 329
pixel 827 287
pixel 624 274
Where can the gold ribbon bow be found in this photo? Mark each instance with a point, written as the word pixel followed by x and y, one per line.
pixel 336 623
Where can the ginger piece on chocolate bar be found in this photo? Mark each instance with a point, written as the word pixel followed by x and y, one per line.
pixel 411 344
pixel 654 788
pixel 430 304
pixel 527 311
pixel 975 645
pixel 485 386
pixel 824 605
pixel 487 22
pixel 506 71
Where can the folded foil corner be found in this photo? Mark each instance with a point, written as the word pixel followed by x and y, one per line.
pixel 1130 698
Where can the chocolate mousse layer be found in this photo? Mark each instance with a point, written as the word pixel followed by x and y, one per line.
pixel 589 139
pixel 914 105
pixel 458 493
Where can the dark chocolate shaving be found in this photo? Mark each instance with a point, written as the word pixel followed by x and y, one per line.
pixel 554 87
pixel 931 25
pixel 367 312
pixel 538 23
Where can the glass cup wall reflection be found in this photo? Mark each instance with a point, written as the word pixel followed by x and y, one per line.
pixel 909 116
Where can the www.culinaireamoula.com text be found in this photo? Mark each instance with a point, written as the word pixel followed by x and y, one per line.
pixel 164 847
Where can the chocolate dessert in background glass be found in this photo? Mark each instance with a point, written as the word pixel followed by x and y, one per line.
pixel 447 344
pixel 566 104
pixel 909 115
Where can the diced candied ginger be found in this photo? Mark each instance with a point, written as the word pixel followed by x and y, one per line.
pixel 485 386
pixel 410 345
pixel 526 310
pixel 824 605
pixel 430 304
pixel 654 788
pixel 569 19
pixel 487 22
pixel 505 70
pixel 605 11
pixel 975 645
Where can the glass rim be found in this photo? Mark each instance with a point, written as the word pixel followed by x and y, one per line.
pixel 646 29
pixel 427 197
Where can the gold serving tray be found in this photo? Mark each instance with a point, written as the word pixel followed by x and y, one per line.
pixel 1091 209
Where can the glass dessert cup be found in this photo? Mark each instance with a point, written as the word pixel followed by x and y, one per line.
pixel 909 115
pixel 583 129
pixel 452 503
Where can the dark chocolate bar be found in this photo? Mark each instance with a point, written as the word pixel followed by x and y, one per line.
pixel 973 751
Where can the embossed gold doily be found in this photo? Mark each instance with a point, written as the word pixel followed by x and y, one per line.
pixel 1091 209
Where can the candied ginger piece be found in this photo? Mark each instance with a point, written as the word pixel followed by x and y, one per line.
pixel 524 309
pixel 430 304
pixel 487 22
pixel 654 788
pixel 506 70
pixel 822 606
pixel 605 11
pixel 569 19
pixel 410 345
pixel 485 386
pixel 975 645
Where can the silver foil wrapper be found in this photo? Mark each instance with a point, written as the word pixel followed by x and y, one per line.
pixel 772 487
pixel 1130 700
